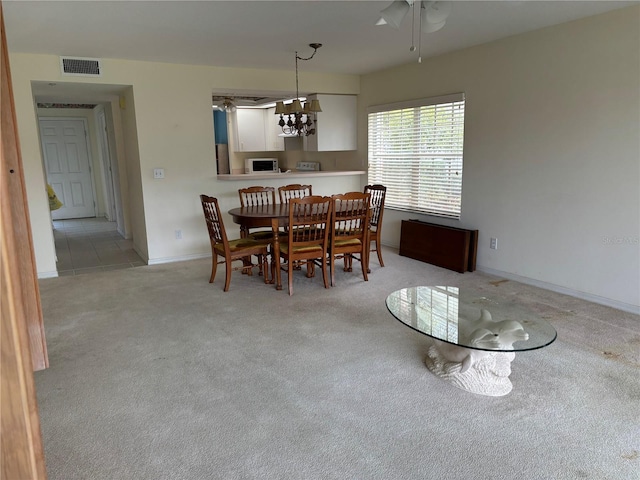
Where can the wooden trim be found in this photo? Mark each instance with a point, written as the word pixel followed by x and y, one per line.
pixel 22 344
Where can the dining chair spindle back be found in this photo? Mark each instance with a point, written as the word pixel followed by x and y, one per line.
pixel 294 190
pixel 252 196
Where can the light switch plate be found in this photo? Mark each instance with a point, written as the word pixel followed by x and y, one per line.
pixel 158 173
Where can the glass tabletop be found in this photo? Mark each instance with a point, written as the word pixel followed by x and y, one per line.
pixel 469 320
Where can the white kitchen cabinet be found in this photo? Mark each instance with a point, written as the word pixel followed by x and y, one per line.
pixel 251 132
pixel 274 143
pixel 258 130
pixel 336 125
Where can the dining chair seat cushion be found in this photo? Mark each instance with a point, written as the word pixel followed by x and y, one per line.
pixel 351 242
pixel 237 244
pixel 261 235
pixel 284 248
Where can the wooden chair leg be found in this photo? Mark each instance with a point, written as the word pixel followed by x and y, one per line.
pixel 311 269
pixel 363 261
pixel 378 251
pixel 325 279
pixel 260 263
pixel 290 274
pixel 265 267
pixel 227 279
pixel 332 270
pixel 214 267
pixel 348 262
pixel 274 265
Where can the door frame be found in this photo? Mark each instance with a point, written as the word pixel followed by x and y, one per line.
pixel 109 138
pixel 111 209
pixel 85 124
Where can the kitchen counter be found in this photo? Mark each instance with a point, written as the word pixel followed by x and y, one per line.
pixel 292 174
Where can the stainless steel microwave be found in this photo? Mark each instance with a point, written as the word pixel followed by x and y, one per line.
pixel 260 165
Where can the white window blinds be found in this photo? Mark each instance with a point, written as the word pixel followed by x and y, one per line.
pixel 416 151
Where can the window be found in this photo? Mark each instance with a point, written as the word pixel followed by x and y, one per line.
pixel 415 150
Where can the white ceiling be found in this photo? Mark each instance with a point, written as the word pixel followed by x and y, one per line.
pixel 265 34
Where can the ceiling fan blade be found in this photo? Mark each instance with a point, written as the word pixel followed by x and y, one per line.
pixel 395 13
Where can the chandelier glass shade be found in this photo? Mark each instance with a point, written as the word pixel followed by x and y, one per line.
pixel 433 17
pixel 300 118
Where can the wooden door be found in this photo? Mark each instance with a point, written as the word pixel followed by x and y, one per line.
pixel 21 328
pixel 66 160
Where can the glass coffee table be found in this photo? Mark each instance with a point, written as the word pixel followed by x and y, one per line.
pixel 474 337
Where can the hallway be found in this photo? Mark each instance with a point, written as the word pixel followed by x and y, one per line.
pixel 87 245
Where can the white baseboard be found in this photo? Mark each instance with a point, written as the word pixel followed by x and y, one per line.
pixel 182 258
pixel 53 274
pixel 627 307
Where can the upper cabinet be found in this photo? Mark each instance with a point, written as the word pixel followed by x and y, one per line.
pixel 336 125
pixel 273 141
pixel 256 130
pixel 250 128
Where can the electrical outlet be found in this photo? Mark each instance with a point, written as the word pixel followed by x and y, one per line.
pixel 178 234
pixel 158 173
pixel 493 244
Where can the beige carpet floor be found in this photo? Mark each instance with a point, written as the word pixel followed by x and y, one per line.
pixel 157 374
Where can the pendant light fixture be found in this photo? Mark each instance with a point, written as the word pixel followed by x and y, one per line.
pixel 301 119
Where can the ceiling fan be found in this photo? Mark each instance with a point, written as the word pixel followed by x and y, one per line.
pixel 433 16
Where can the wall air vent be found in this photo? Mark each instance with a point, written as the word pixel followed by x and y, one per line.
pixel 85 67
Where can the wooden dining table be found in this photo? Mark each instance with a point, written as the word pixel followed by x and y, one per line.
pixel 274 215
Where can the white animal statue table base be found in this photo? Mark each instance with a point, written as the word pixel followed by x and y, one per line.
pixel 479 371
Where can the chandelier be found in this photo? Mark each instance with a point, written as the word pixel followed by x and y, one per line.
pixel 301 119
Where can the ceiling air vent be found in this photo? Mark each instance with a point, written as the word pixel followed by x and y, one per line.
pixel 86 67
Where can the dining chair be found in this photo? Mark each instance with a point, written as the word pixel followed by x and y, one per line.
pixel 294 190
pixel 253 196
pixel 308 239
pixel 350 231
pixel 378 192
pixel 231 250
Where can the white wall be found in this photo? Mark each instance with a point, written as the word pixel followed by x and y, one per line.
pixel 552 152
pixel 166 123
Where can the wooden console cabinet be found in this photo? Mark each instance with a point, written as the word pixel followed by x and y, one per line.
pixel 448 247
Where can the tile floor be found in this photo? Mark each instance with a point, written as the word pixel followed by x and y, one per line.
pixel 87 245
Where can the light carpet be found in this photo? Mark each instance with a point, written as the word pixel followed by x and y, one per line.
pixel 157 374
